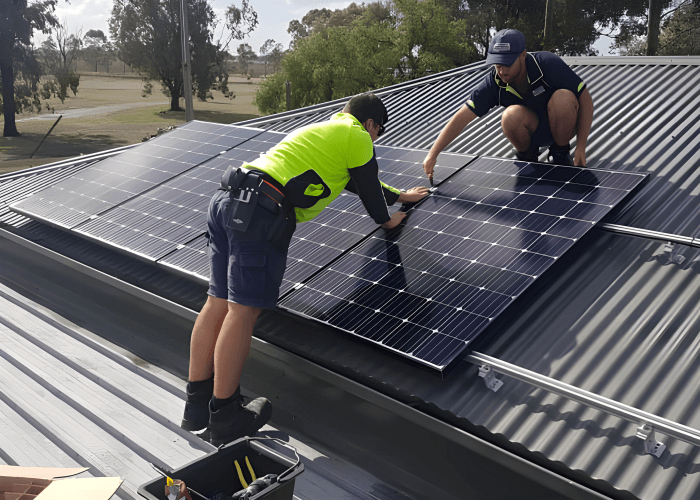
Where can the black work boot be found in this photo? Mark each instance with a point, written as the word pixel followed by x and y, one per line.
pixel 196 416
pixel 234 420
pixel 560 154
pixel 531 155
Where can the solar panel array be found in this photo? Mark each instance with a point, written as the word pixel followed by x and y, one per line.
pixel 172 214
pixel 114 180
pixel 424 290
pixel 427 289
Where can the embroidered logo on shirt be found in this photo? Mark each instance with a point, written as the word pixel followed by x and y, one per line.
pixel 501 47
pixel 470 103
pixel 538 91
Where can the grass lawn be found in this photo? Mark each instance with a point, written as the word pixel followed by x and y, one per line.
pixel 111 128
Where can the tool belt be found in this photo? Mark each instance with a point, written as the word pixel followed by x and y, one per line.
pixel 251 188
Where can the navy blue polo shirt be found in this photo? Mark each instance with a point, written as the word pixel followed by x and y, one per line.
pixel 546 73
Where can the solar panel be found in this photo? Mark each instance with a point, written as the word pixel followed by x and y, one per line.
pixel 428 289
pixel 189 260
pixel 159 221
pixel 121 177
pixel 344 223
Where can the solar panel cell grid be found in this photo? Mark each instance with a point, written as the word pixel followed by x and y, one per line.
pixel 155 223
pixel 427 289
pixel 345 222
pixel 122 177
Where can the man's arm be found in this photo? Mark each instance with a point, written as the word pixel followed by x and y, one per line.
pixel 454 127
pixel 585 119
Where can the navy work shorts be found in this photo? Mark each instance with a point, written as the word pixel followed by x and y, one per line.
pixel 245 267
pixel 543 135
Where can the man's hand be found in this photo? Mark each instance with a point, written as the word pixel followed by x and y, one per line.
pixel 429 165
pixel 395 220
pixel 413 195
pixel 579 157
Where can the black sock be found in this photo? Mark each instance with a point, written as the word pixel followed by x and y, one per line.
pixel 217 404
pixel 201 386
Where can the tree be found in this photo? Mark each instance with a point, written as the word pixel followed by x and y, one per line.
pixel 265 50
pixel 58 54
pixel 146 34
pixel 97 49
pixel 380 47
pixel 245 57
pixel 679 31
pixel 18 65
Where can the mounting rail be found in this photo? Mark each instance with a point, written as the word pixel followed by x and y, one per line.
pixel 648 422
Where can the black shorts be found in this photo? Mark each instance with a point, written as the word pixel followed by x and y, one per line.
pixel 245 267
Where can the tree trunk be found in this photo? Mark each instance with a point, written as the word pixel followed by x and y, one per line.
pixel 655 7
pixel 8 97
pixel 174 101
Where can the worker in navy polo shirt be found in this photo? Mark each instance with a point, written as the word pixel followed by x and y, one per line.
pixel 546 103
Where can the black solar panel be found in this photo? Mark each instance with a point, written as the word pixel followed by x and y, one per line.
pixel 189 259
pixel 157 222
pixel 345 222
pixel 124 176
pixel 427 289
pixel 424 290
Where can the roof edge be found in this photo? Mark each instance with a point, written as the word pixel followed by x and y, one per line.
pixel 633 60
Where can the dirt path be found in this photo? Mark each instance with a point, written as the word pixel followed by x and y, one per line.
pixel 99 110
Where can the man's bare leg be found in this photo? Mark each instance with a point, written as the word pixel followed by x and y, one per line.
pixel 232 348
pixel 204 335
pixel 519 123
pixel 562 110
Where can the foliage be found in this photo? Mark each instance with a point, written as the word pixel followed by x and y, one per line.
pixel 679 31
pixel 272 53
pixel 19 69
pixel 245 57
pixel 97 49
pixel 58 55
pixel 147 35
pixel 362 48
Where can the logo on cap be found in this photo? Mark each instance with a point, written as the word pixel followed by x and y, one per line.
pixel 501 47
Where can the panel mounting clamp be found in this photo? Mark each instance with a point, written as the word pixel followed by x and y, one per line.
pixel 489 376
pixel 651 445
pixel 672 250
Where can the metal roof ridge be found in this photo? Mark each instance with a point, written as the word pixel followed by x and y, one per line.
pixel 632 60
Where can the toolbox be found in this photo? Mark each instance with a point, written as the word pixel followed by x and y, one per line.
pixel 220 472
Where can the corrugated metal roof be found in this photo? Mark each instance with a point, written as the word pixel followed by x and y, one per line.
pixel 68 401
pixel 617 317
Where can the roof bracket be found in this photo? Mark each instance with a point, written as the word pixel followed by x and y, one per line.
pixel 651 445
pixel 672 252
pixel 489 376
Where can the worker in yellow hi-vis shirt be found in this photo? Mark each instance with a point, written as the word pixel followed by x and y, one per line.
pixel 251 220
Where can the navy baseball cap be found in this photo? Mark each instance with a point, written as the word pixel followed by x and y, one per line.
pixel 505 47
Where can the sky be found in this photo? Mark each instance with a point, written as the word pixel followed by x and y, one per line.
pixel 273 19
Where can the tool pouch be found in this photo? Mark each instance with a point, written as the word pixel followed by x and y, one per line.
pixel 243 201
pixel 233 178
